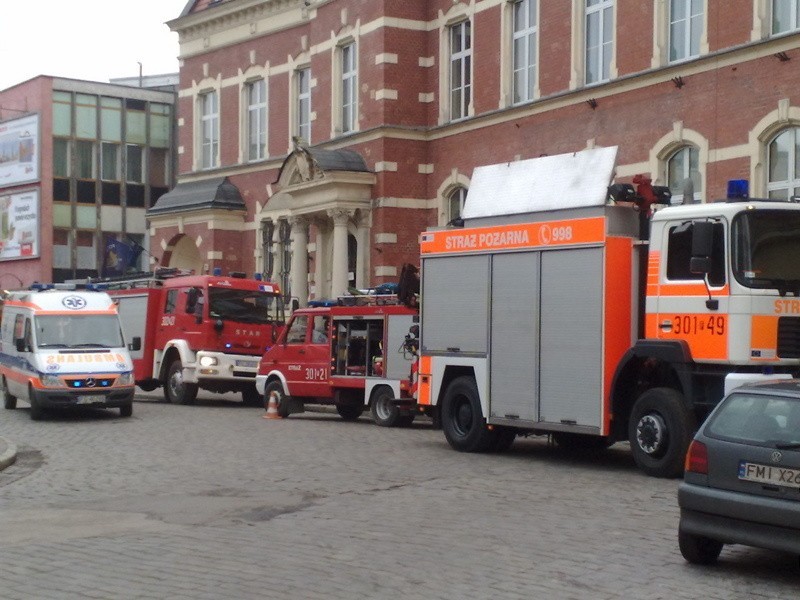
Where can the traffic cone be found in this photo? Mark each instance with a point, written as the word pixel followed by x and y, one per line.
pixel 272 407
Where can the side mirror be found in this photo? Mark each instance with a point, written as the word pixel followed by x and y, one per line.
pixel 19 344
pixel 136 344
pixel 702 246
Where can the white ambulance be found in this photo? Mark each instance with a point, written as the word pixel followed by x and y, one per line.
pixel 61 349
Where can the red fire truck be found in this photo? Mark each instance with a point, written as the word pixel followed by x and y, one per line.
pixel 353 357
pixel 197 331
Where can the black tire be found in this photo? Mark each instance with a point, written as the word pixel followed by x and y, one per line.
pixel 350 412
pixel 176 390
pixel 126 410
pixel 577 442
pixel 383 410
pixel 697 549
pixel 462 419
pixel 283 401
pixel 37 412
pixel 505 437
pixel 251 397
pixel 659 430
pixel 9 401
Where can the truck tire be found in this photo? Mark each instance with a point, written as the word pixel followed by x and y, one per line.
pixel 176 390
pixel 9 401
pixel 350 412
pixel 462 419
pixel 382 409
pixel 251 397
pixel 659 430
pixel 283 401
pixel 126 410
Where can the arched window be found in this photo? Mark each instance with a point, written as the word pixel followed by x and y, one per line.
pixel 784 165
pixel 455 203
pixel 683 166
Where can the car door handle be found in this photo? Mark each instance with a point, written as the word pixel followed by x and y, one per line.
pixel 301 351
pixel 665 325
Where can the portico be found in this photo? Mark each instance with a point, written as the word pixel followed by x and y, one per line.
pixel 321 213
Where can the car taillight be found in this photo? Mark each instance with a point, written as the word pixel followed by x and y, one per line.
pixel 697 458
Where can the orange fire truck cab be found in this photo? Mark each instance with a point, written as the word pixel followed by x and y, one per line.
pixel 354 357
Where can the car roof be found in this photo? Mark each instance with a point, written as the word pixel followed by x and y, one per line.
pixel 781 387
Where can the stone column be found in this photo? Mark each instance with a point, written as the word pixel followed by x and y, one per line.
pixel 340 219
pixel 321 260
pixel 299 274
pixel 362 258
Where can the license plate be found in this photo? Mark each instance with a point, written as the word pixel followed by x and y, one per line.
pixel 769 474
pixel 251 364
pixel 91 399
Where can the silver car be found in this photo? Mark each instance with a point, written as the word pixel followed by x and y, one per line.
pixel 742 479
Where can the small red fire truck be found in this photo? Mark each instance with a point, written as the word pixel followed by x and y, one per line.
pixel 197 331
pixel 353 357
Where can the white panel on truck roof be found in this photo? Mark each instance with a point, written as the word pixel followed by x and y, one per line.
pixel 546 183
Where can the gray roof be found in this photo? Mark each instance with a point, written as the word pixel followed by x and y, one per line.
pixel 204 194
pixel 332 160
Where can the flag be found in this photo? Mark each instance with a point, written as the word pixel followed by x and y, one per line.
pixel 119 257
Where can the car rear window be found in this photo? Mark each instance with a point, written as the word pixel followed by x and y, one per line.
pixel 757 419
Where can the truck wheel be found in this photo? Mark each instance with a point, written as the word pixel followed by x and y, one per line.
pixel 462 419
pixel 126 410
pixel 9 401
pixel 283 401
pixel 659 431
pixel 504 437
pixel 697 549
pixel 383 410
pixel 251 397
pixel 176 390
pixel 350 412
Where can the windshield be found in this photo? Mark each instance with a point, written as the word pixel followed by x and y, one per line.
pixel 245 306
pixel 766 246
pixel 78 331
pixel 757 419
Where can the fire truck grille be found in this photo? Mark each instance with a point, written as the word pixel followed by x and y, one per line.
pixel 789 337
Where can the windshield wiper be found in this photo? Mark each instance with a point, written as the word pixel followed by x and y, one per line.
pixel 90 345
pixel 47 345
pixel 788 446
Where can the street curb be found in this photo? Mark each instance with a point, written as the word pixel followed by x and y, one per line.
pixel 8 457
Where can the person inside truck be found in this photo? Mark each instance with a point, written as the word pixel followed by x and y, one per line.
pixel 319 334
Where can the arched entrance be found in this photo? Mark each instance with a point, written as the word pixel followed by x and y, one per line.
pixel 183 253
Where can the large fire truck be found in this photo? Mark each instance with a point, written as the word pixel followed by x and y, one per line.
pixel 197 331
pixel 355 357
pixel 556 311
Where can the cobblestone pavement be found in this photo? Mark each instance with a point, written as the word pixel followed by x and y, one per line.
pixel 212 501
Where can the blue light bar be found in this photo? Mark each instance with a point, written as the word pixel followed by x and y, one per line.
pixel 217 271
pixel 257 276
pixel 738 188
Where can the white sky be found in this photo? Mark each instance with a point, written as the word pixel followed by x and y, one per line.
pixel 94 40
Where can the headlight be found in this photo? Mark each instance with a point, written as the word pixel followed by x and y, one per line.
pixel 125 379
pixel 51 381
pixel 208 361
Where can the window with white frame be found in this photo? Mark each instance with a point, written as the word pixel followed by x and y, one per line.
pixel 683 167
pixel 785 16
pixel 303 91
pixel 209 130
pixel 257 120
pixel 455 203
pixel 460 69
pixel 349 87
pixel 685 29
pixel 599 39
pixel 525 49
pixel 783 155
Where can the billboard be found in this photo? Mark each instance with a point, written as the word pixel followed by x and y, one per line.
pixel 19 225
pixel 19 151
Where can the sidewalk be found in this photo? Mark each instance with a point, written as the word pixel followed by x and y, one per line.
pixel 8 453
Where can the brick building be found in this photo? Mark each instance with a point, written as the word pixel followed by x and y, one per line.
pixel 317 138
pixel 80 164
